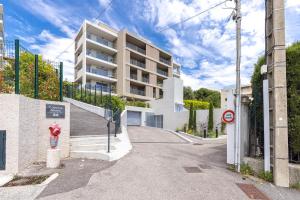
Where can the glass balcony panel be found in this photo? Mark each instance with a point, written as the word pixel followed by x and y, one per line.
pixel 100 56
pixel 100 72
pixel 163 60
pixel 100 40
pixel 137 91
pixel 162 72
pixel 136 48
pixel 137 63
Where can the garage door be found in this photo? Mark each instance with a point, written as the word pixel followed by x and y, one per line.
pixel 133 118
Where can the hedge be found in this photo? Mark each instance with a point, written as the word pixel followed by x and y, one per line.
pixel 293 97
pixel 197 105
pixel 138 104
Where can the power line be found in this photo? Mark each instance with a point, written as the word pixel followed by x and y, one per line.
pixel 100 14
pixel 196 15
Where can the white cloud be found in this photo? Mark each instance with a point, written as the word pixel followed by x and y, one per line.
pixel 52 46
pixel 58 16
pixel 104 3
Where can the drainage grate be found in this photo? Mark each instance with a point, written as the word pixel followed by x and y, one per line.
pixel 192 169
pixel 204 166
pixel 197 144
pixel 252 192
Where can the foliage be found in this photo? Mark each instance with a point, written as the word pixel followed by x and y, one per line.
pixel 256 106
pixel 191 117
pixel 223 126
pixel 48 78
pixel 293 97
pixel 197 105
pixel 138 104
pixel 296 186
pixel 210 117
pixel 194 120
pixel 188 93
pixel 204 94
pixel 88 96
pixel 267 176
pixel 246 169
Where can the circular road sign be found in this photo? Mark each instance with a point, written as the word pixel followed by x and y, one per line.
pixel 228 116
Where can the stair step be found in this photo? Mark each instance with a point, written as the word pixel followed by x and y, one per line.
pixel 93 147
pixel 102 155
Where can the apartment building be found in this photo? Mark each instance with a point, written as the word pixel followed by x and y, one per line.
pixel 1 36
pixel 133 66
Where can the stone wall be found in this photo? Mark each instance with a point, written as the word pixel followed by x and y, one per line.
pixel 27 130
pixel 258 165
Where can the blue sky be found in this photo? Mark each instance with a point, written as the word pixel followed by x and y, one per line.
pixel 205 45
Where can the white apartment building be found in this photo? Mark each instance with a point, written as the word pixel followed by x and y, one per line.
pixel 133 66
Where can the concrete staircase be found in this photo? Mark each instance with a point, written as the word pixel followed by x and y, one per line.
pixel 89 135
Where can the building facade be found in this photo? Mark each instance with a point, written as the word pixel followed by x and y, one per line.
pixel 1 36
pixel 133 66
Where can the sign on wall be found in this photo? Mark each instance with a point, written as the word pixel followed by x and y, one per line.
pixel 228 116
pixel 55 111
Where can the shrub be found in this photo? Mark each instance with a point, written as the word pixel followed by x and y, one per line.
pixel 191 117
pixel 48 78
pixel 137 104
pixel 211 117
pixel 267 176
pixel 197 105
pixel 293 97
pixel 246 169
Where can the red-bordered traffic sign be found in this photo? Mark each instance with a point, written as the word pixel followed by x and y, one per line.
pixel 228 116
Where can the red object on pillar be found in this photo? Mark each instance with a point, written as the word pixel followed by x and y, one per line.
pixel 54 133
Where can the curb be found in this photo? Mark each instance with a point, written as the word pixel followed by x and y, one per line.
pixel 181 136
pixel 49 179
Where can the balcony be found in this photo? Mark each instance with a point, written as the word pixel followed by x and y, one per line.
pixel 137 63
pixel 137 91
pixel 100 40
pixel 161 72
pixel 135 48
pixel 145 79
pixel 133 76
pixel 101 56
pixel 176 71
pixel 165 61
pixel 160 84
pixel 100 88
pixel 100 72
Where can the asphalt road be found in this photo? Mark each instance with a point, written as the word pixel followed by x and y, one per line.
pixel 157 169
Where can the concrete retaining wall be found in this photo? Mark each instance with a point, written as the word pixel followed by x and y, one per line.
pixel 88 107
pixel 27 130
pixel 258 165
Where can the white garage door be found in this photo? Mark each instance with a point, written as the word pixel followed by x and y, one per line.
pixel 134 118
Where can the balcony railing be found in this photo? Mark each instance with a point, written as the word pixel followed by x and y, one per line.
pixel 133 76
pixel 137 63
pixel 136 48
pixel 100 40
pixel 164 73
pixel 176 71
pixel 137 91
pixel 168 62
pixel 101 56
pixel 100 88
pixel 145 80
pixel 100 72
pixel 159 84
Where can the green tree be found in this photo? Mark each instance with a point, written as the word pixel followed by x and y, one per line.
pixel 210 117
pixel 191 117
pixel 188 93
pixel 194 121
pixel 48 78
pixel 204 94
pixel 293 97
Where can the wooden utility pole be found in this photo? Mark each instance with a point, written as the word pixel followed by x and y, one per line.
pixel 276 63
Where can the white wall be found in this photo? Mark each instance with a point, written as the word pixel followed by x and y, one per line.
pixel 139 109
pixel 27 130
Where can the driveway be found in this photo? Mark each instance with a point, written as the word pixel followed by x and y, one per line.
pixel 163 166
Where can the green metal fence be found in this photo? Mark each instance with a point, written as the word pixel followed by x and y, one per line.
pixel 22 72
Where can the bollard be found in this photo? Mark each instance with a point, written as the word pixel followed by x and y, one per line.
pixel 217 134
pixel 205 133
